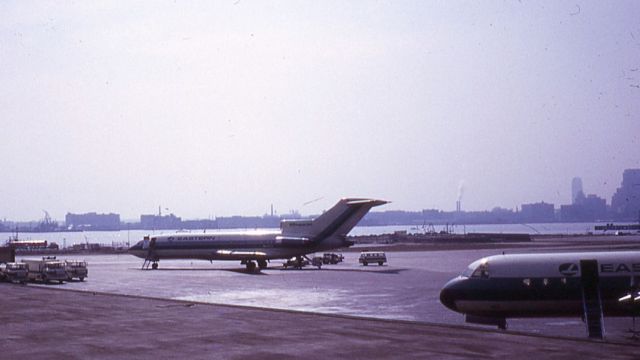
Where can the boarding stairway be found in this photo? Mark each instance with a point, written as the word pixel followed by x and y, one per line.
pixel 591 300
pixel 151 259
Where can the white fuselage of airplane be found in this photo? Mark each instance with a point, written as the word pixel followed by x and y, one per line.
pixel 295 238
pixel 232 246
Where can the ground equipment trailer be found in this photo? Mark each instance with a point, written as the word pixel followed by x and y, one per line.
pixel 46 270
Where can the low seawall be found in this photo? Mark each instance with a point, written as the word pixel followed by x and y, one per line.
pixel 403 237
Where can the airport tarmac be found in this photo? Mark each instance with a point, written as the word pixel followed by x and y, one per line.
pixel 407 289
pixel 51 323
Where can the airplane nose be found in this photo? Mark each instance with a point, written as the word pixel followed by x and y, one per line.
pixel 447 295
pixel 446 298
pixel 136 247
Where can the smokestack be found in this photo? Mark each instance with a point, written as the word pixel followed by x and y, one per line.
pixel 458 206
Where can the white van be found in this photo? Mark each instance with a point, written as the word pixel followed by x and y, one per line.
pixel 367 257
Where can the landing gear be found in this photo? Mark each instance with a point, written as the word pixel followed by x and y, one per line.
pixel 631 299
pixel 150 261
pixel 502 325
pixel 151 258
pixel 251 266
pixel 635 334
pixel 262 264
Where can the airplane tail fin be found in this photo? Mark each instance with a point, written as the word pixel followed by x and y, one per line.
pixel 338 220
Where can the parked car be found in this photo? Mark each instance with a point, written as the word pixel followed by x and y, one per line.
pixel 296 263
pixel 331 258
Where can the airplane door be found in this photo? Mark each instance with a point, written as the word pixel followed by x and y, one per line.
pixel 148 244
pixel 591 302
pixel 589 273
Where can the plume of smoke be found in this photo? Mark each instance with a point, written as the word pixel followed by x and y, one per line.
pixel 460 190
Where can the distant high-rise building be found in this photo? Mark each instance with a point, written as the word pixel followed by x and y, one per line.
pixel 576 189
pixel 625 203
pixel 538 213
pixel 160 222
pixel 585 208
pixel 92 221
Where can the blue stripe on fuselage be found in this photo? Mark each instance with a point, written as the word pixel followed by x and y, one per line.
pixel 515 290
pixel 214 244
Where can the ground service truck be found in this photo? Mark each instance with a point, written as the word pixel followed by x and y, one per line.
pixel 14 272
pixel 46 270
pixel 76 269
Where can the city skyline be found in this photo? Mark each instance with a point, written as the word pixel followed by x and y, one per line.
pixel 225 108
pixel 277 212
pixel 583 206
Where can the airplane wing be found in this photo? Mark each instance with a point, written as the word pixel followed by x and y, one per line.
pixel 241 255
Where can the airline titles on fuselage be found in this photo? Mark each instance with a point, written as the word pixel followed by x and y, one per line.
pixel 187 238
pixel 571 269
pixel 616 268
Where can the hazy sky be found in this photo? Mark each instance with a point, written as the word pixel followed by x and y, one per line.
pixel 217 108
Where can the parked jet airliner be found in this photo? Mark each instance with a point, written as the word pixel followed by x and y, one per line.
pixel 295 238
pixel 587 284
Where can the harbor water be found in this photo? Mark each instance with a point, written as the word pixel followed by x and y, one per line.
pixel 124 238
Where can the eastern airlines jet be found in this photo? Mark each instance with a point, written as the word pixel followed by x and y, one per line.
pixel 589 284
pixel 295 238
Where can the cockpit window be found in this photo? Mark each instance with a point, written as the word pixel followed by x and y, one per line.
pixel 468 271
pixel 479 269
